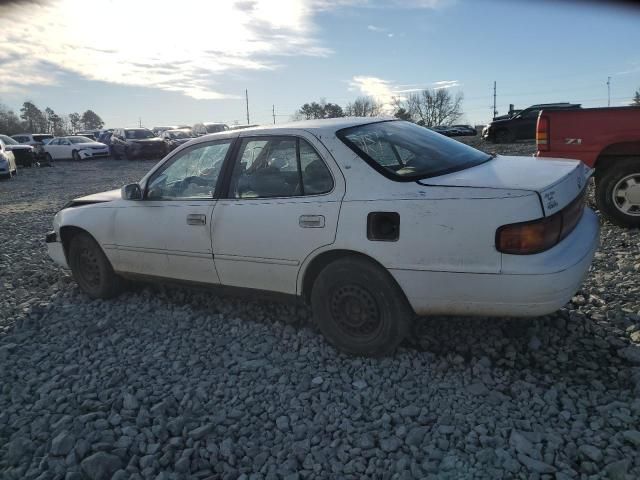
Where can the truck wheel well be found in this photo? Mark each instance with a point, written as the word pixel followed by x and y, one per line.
pixel 605 162
pixel 324 259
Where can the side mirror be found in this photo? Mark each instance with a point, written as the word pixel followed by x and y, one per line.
pixel 131 192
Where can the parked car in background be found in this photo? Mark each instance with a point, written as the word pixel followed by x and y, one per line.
pixel 74 147
pixel 8 167
pixel 158 130
pixel 23 154
pixel 131 143
pixel 36 140
pixel 175 138
pixel 607 139
pixel 105 137
pixel 200 129
pixel 92 134
pixel 521 126
pixel 371 221
pixel 462 130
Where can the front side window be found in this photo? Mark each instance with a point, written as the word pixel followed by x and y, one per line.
pixel 404 151
pixel 80 140
pixel 192 174
pixel 270 167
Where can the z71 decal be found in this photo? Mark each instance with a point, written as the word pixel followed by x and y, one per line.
pixel 573 141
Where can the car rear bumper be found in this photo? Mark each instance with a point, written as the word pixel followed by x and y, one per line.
pixel 55 249
pixel 541 283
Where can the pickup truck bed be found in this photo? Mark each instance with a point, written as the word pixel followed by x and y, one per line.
pixel 607 139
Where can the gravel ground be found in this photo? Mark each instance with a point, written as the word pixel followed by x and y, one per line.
pixel 174 383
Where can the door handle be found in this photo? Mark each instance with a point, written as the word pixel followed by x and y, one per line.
pixel 196 219
pixel 311 221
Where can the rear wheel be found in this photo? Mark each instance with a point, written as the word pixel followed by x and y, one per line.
pixel 91 268
pixel 618 192
pixel 359 308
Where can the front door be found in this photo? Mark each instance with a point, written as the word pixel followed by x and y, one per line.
pixel 168 233
pixel 282 204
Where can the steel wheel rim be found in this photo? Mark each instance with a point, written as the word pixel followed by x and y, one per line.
pixel 626 195
pixel 89 268
pixel 355 311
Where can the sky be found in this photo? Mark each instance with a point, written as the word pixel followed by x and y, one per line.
pixel 163 63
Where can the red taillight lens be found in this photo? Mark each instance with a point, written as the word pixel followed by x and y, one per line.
pixel 542 133
pixel 537 236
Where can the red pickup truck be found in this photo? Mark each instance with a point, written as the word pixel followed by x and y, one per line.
pixel 607 139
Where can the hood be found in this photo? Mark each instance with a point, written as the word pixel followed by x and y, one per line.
pixel 19 147
pixel 556 181
pixel 94 198
pixel 500 121
pixel 90 144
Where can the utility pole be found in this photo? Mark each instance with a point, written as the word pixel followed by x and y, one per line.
pixel 246 97
pixel 140 122
pixel 495 112
pixel 608 91
pixel 273 112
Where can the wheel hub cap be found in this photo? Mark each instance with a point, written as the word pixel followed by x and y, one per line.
pixel 89 267
pixel 355 310
pixel 626 195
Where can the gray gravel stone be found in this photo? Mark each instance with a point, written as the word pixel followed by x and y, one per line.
pixel 100 466
pixel 62 444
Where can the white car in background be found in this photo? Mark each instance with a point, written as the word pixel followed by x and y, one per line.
pixel 371 221
pixel 74 147
pixel 7 162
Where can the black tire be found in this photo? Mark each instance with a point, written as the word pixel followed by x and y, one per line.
pixel 91 268
pixel 48 158
pixel 609 197
pixel 504 136
pixel 359 308
pixel 75 156
pixel 127 154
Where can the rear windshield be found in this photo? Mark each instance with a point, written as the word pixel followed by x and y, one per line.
pixel 8 140
pixel 213 128
pixel 40 138
pixel 404 151
pixel 139 134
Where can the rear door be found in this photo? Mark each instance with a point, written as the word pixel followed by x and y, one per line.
pixel 168 233
pixel 282 203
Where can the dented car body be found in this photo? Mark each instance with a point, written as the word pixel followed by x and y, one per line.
pixel 372 221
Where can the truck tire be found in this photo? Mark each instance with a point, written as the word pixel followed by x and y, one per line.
pixel 618 192
pixel 359 308
pixel 91 269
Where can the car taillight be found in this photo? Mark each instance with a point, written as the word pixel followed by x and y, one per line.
pixel 536 236
pixel 542 133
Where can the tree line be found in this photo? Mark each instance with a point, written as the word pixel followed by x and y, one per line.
pixel 428 108
pixel 31 119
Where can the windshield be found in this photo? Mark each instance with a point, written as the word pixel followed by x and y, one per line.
pixel 80 140
pixel 139 134
pixel 179 134
pixel 8 140
pixel 405 151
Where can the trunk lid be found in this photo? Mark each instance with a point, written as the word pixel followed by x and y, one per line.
pixel 556 182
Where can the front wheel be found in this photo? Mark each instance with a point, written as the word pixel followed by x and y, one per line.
pixel 359 308
pixel 91 268
pixel 49 159
pixel 75 156
pixel 618 192
pixel 504 136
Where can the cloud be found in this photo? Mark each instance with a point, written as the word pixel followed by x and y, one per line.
pixel 385 91
pixel 182 47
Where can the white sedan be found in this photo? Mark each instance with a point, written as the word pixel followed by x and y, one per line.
pixel 370 221
pixel 74 147
pixel 7 162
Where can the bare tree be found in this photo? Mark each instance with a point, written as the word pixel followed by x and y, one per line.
pixel 636 98
pixel 433 107
pixel 363 107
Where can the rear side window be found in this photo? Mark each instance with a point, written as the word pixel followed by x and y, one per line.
pixel 404 151
pixel 269 167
